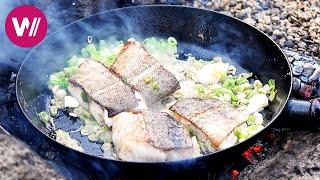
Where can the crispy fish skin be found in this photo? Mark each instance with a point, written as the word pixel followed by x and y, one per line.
pixel 165 132
pixel 216 120
pixel 192 106
pixel 104 87
pixel 144 73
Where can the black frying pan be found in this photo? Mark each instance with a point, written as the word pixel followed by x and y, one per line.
pixel 200 32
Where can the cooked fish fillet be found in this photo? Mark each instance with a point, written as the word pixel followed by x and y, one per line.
pixel 104 87
pixel 150 137
pixel 216 119
pixel 165 132
pixel 192 106
pixel 144 73
pixel 131 140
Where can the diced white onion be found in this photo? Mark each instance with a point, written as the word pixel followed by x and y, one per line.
pixel 259 118
pixel 207 74
pixel 257 103
pixel 241 96
pixel 188 88
pixel 71 102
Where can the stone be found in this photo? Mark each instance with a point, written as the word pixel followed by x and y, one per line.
pixel 19 162
pixel 304 79
pixel 290 59
pixel 308 69
pixel 316 75
pixel 296 84
pixel 267 19
pixel 289 44
pixel 275 18
pixel 297 70
pixel 302 44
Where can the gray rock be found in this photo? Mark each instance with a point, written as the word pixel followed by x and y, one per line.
pixel 290 59
pixel 304 79
pixel 316 75
pixel 308 69
pixel 296 84
pixel 302 44
pixel 19 162
pixel 289 44
pixel 297 70
pixel 297 57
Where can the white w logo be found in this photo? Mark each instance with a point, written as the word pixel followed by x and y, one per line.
pixel 25 25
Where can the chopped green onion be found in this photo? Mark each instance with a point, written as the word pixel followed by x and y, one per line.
pixel 229 83
pixel 70 70
pixel 154 45
pixel 200 89
pixel 251 119
pixel 125 80
pixel 262 91
pixel 250 93
pixel 272 84
pixel 155 86
pixel 53 110
pixel 257 84
pixel 241 80
pixel 84 53
pixel 253 127
pixel 109 60
pixel 241 133
pixel 191 132
pixel 272 95
pixel 94 54
pixel 272 89
pixel 59 79
pixel 243 102
pixel 73 62
pixel 44 116
pixel 172 41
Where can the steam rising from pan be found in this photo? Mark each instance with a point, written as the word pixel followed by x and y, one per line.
pixel 233 40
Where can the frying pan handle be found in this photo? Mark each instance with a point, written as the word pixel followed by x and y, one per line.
pixel 301 113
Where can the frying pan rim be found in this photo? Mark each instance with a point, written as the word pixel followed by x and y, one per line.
pixel 21 98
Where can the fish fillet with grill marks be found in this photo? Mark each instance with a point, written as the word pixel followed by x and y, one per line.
pixel 214 118
pixel 150 137
pixel 144 73
pixel 104 87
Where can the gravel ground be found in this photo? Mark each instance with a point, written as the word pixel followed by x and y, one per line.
pixel 295 25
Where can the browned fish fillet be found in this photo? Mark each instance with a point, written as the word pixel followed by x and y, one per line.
pixel 142 71
pixel 104 87
pixel 150 137
pixel 216 119
pixel 165 132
